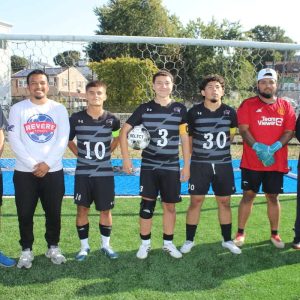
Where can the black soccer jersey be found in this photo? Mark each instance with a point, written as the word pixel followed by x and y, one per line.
pixel 211 133
pixel 163 123
pixel 93 142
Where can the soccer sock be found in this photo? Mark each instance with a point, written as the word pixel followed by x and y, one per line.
pixel 168 238
pixel 105 234
pixel 241 231
pixel 146 239
pixel 190 232
pixel 274 232
pixel 83 234
pixel 226 232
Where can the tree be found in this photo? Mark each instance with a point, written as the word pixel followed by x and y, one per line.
pixel 265 33
pixel 129 81
pixel 132 18
pixel 231 63
pixel 67 58
pixel 18 63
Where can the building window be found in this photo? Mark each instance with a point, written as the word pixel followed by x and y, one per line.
pixel 65 82
pixel 22 83
pixel 3 44
pixel 51 81
pixel 79 84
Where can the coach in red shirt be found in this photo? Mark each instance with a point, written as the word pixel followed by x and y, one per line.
pixel 266 124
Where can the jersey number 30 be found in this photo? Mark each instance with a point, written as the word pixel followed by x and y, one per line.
pixel 220 140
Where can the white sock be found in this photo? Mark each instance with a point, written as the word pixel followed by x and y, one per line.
pixel 146 242
pixel 167 242
pixel 85 244
pixel 105 241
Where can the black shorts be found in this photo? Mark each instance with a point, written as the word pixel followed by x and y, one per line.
pixel 271 181
pixel 220 176
pixel 163 182
pixel 100 190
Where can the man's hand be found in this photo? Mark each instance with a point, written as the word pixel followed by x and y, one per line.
pixel 40 169
pixel 185 174
pixel 127 166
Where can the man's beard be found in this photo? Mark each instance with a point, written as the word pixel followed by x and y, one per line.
pixel 266 95
pixel 214 100
pixel 38 97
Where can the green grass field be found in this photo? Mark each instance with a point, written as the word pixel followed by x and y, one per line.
pixel 208 272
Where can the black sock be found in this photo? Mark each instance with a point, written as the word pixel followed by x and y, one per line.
pixel 274 232
pixel 83 231
pixel 146 236
pixel 190 232
pixel 105 230
pixel 168 237
pixel 241 231
pixel 226 232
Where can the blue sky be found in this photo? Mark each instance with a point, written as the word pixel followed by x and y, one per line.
pixel 76 17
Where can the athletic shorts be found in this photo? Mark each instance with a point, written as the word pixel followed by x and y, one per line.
pixel 163 182
pixel 219 176
pixel 100 190
pixel 271 181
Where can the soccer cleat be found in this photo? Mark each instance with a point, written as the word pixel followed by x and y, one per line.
pixel 239 239
pixel 230 245
pixel 6 261
pixel 172 250
pixel 143 251
pixel 25 260
pixel 277 242
pixel 54 253
pixel 296 245
pixel 187 247
pixel 82 254
pixel 109 252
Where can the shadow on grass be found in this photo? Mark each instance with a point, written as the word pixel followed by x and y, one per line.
pixel 206 267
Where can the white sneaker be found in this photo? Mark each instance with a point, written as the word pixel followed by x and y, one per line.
pixel 82 254
pixel 143 251
pixel 187 247
pixel 25 259
pixel 54 253
pixel 230 245
pixel 172 250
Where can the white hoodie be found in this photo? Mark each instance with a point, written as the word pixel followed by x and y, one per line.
pixel 38 133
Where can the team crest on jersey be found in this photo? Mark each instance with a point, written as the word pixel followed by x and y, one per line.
pixel 281 111
pixel 149 109
pixel 177 110
pixel 40 128
pixel 226 112
pixel 109 122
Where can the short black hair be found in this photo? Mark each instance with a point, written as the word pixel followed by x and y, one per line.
pixel 36 72
pixel 95 83
pixel 162 73
pixel 212 77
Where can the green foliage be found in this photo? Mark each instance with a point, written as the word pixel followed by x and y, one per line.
pixel 265 33
pixel 131 18
pixel 67 58
pixel 129 81
pixel 18 63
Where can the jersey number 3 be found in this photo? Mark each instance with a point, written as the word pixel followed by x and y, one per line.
pixel 162 142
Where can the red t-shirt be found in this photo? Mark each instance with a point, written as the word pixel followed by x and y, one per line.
pixel 266 122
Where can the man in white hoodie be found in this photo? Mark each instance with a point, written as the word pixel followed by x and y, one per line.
pixel 38 134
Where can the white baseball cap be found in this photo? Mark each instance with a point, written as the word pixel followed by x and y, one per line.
pixel 267 73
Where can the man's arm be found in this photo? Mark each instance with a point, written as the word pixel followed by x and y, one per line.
pixel 246 135
pixel 73 147
pixel 127 164
pixel 186 153
pixel 2 138
pixel 15 141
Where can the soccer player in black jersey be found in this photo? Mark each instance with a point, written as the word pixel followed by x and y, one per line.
pixel 212 125
pixel 166 121
pixel 97 133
